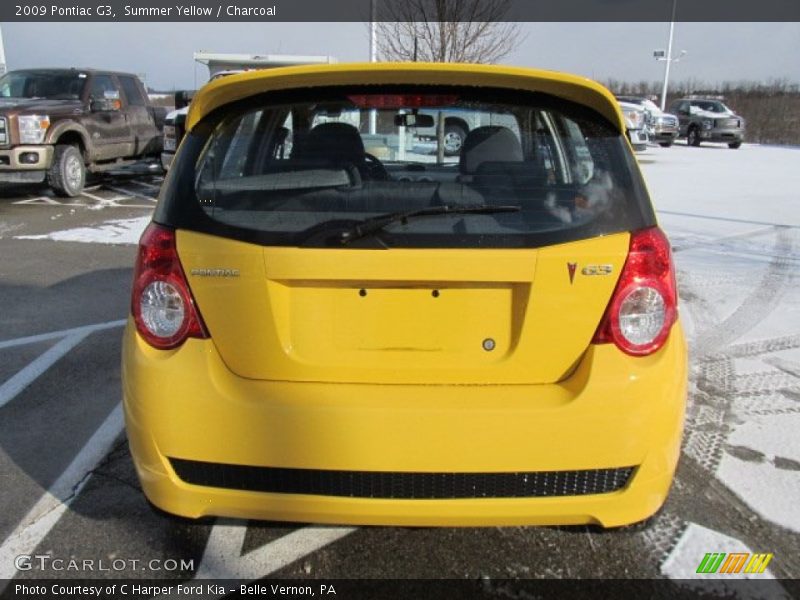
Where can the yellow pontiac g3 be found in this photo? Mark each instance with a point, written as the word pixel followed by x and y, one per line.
pixel 407 294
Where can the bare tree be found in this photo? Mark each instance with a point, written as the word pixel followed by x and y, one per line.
pixel 445 30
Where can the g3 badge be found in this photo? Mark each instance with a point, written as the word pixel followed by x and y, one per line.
pixel 588 270
pixel 597 270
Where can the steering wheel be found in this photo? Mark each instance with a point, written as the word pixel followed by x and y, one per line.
pixel 374 168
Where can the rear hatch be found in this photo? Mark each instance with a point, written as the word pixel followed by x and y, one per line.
pixel 402 315
pixel 318 251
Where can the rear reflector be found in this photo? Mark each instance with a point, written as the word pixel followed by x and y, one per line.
pixel 645 302
pixel 161 303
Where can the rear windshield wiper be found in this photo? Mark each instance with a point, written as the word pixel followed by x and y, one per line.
pixel 375 224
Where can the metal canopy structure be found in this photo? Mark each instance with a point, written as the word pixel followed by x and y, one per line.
pixel 219 62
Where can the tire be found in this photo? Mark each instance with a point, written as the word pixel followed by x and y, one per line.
pixel 454 136
pixel 734 145
pixel 665 144
pixel 67 173
pixel 692 137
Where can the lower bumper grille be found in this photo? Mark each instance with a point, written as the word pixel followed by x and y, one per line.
pixel 378 484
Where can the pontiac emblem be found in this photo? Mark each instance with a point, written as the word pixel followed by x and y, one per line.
pixel 571 268
pixel 214 272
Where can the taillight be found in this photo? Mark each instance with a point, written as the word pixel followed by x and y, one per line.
pixel 162 304
pixel 645 302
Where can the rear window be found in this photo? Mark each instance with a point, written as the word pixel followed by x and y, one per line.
pixel 405 167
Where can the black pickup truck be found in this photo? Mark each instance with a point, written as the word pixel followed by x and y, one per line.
pixel 57 124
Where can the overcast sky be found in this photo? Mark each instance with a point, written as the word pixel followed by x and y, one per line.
pixel 623 51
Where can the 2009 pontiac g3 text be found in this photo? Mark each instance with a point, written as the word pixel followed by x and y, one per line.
pixel 159 12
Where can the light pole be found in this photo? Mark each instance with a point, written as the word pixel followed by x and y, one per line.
pixel 2 56
pixel 668 58
pixel 372 58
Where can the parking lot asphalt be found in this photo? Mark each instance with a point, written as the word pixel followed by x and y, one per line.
pixel 69 489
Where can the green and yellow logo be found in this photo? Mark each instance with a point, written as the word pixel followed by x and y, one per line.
pixel 729 564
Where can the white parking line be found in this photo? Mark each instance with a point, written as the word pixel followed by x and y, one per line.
pixel 35 526
pixel 131 193
pixel 115 201
pixel 12 387
pixel 72 337
pixel 40 200
pixel 102 200
pixel 52 335
pixel 223 558
pixel 147 185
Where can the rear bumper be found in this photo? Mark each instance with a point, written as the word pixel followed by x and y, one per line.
pixel 613 412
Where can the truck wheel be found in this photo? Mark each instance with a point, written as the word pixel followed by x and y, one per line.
pixel 67 174
pixel 665 144
pixel 734 145
pixel 693 138
pixel 454 136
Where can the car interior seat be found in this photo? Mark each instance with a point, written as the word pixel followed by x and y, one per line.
pixel 489 143
pixel 493 163
pixel 329 145
pixel 330 142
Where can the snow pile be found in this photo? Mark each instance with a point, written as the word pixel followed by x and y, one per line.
pixel 117 231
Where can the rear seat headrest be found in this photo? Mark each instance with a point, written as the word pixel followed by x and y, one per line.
pixel 489 143
pixel 330 141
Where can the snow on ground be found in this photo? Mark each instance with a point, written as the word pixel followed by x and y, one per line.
pixel 755 184
pixel 116 231
pixel 756 467
pixel 733 218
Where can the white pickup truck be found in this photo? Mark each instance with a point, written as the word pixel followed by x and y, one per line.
pixel 457 124
pixel 636 123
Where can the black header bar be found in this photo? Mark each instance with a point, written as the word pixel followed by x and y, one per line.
pixel 387 10
pixel 406 589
